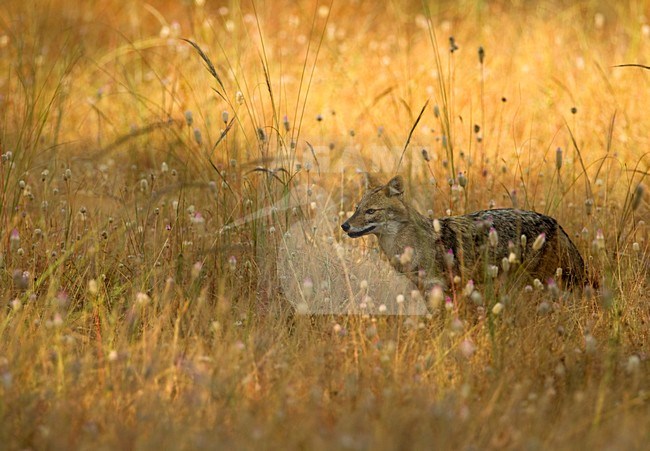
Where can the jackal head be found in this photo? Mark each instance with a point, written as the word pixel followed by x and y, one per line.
pixel 380 210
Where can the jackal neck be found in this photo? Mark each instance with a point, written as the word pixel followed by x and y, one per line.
pixel 407 228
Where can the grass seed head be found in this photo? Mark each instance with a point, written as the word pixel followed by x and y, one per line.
pixel 308 287
pixel 467 348
pixel 436 297
pixel 505 264
pixel 539 242
pixel 493 237
pixel 93 289
pixel 633 364
pixel 449 304
pixel 189 118
pixel 476 297
pixel 599 242
pixel 469 288
pixel 142 298
pixel 453 47
pixel 591 345
pixel 198 137
pixel 449 258
pixel 407 255
pixel 261 135
pixel 14 240
pixel 16 304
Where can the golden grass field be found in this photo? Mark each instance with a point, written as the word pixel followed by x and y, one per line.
pixel 172 271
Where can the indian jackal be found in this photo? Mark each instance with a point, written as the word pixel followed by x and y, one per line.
pixel 432 252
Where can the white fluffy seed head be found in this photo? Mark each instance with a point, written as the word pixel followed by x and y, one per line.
pixel 436 297
pixel 92 287
pixel 633 363
pixel 142 298
pixel 493 237
pixel 407 255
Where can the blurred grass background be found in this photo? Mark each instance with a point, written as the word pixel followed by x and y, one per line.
pixel 161 222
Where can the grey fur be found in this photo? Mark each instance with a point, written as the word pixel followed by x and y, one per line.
pixel 398 226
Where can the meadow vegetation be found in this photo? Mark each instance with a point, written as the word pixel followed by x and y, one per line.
pixel 173 178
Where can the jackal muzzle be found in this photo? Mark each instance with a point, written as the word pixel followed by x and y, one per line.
pixel 356 233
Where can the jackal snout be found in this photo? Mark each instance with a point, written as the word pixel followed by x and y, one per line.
pixel 357 231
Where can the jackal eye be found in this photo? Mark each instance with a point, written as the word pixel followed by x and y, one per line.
pixel 370 211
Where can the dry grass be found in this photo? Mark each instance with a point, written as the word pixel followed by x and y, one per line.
pixel 154 249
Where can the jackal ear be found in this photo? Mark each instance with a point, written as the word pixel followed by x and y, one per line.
pixel 395 186
pixel 372 181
